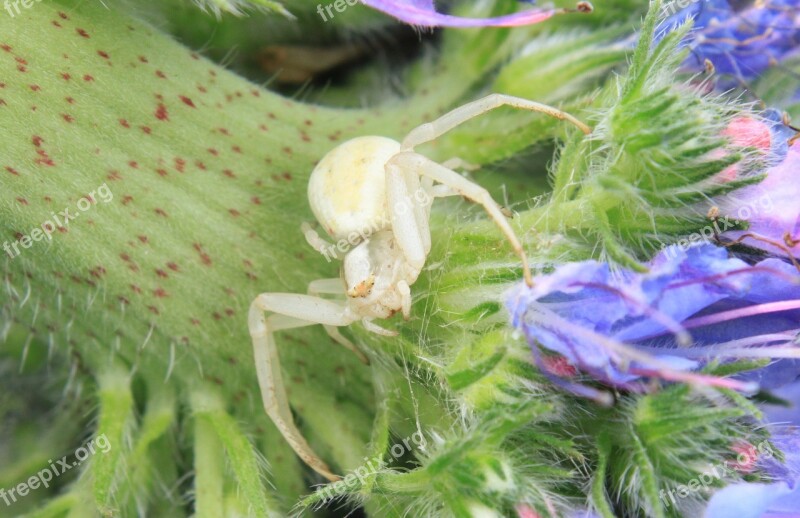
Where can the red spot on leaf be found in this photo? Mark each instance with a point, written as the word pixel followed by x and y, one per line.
pixel 63 15
pixel 83 33
pixel 103 54
pixel 187 101
pixel 161 113
pixel 36 88
pixel 97 272
pixel 204 257
pixel 161 74
pixel 124 123
pixel 88 78
pixel 12 170
pixel 22 201
pixel 37 140
pixel 68 118
pixel 66 76
pixel 44 158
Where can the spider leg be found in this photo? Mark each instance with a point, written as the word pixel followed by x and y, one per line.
pixel 410 163
pixel 405 293
pixel 457 163
pixel 432 130
pixel 409 220
pixel 319 244
pixel 375 328
pixel 293 311
pixel 335 287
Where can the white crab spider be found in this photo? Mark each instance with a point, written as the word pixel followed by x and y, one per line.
pixel 381 190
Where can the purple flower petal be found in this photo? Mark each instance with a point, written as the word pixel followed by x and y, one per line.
pixel 770 207
pixel 747 500
pixel 423 13
pixel 740 39
pixel 620 326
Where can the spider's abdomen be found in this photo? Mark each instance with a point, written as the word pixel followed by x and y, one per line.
pixel 347 189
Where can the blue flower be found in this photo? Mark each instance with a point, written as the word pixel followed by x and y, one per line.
pixel 692 306
pixel 740 43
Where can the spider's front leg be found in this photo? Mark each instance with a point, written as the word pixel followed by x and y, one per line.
pixel 433 130
pixel 291 311
pixel 403 173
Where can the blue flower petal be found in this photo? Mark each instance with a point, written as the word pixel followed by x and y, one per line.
pixel 620 326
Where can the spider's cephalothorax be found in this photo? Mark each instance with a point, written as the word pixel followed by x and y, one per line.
pixel 377 280
pixel 372 195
